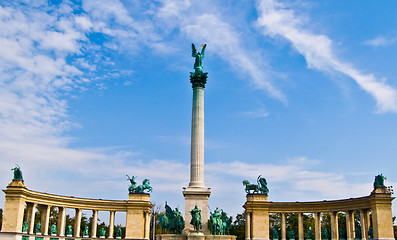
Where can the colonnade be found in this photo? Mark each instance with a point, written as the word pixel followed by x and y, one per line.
pixel 258 208
pixel 137 209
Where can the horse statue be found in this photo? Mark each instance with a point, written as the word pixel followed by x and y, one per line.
pixel 196 219
pixel 226 223
pixel 261 187
pixel 163 223
pixel 145 186
pixel 172 222
pixel 379 181
pixel 17 173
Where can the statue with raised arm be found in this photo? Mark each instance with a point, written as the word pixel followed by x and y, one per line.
pixel 17 173
pixel 198 63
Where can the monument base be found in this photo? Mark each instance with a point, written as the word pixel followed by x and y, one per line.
pixel 220 237
pixel 170 237
pixel 196 236
pixel 200 197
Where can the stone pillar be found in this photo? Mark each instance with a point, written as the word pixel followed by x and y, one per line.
pixel 259 222
pixel 45 219
pixel 283 227
pixel 111 224
pixel 94 223
pixel 317 225
pixel 30 218
pixel 334 226
pixel 14 206
pixel 61 221
pixel 247 225
pixel 367 221
pixel 350 226
pixel 301 233
pixel 77 222
pixel 364 231
pixel 138 222
pixel 382 217
pixel 196 192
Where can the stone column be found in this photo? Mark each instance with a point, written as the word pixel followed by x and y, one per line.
pixel 147 225
pixel 61 221
pixel 283 228
pixel 367 222
pixel 317 225
pixel 94 223
pixel 111 224
pixel 30 218
pixel 350 226
pixel 45 219
pixel 364 231
pixel 334 226
pixel 77 222
pixel 247 225
pixel 301 233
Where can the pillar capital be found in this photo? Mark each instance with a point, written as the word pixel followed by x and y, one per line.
pixel 198 79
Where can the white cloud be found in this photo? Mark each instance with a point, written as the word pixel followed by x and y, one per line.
pixel 276 20
pixel 380 41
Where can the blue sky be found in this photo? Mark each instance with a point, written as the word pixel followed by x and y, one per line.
pixel 303 93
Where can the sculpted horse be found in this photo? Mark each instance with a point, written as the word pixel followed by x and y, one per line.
pixel 261 187
pixel 145 186
pixel 163 223
pixel 196 219
pixel 216 226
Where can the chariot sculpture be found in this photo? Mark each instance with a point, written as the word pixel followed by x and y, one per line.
pixel 140 188
pixel 260 188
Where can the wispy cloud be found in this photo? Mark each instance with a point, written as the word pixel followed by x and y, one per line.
pixel 259 113
pixel 380 41
pixel 277 20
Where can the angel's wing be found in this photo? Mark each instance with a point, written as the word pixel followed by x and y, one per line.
pixel 203 49
pixel 194 51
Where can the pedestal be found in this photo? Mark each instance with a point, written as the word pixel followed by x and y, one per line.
pixel 138 220
pixel 170 237
pixel 196 236
pixel 200 197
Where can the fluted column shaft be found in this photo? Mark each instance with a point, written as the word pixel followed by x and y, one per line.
pixel 111 224
pixel 350 226
pixel 301 234
pixel 30 218
pixel 147 225
pixel 283 228
pixel 94 223
pixel 61 221
pixel 197 140
pixel 334 226
pixel 77 222
pixel 45 219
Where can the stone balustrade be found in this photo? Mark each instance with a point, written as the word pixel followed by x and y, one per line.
pixel 17 196
pixel 257 210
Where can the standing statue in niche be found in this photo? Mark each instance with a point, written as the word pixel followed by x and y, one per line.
pixel 275 234
pixel 54 229
pixel 85 232
pixel 196 218
pixel 309 234
pixel 102 232
pixel 17 173
pixel 198 63
pixel 379 181
pixel 261 187
pixel 69 230
pixel 325 234
pixel 341 234
pixel 118 233
pixel 291 234
pixel 25 226
pixel 37 229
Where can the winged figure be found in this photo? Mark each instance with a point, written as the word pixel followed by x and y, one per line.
pixel 198 64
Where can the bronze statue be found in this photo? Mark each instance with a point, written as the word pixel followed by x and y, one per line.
pixel 196 218
pixel 198 63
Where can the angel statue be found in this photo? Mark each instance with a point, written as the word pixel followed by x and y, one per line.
pixel 198 64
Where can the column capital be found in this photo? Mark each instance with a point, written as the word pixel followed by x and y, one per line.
pixel 198 79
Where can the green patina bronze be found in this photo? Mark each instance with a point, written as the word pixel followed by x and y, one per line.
pixel 172 222
pixel 85 232
pixel 102 232
pixel 141 188
pixel 371 233
pixel 261 187
pixel 291 234
pixel 324 234
pixel 53 229
pixel 357 232
pixel 198 78
pixel 37 229
pixel 25 226
pixel 196 218
pixel 341 234
pixel 309 234
pixel 275 234
pixel 379 181
pixel 17 173
pixel 69 230
pixel 219 223
pixel 118 233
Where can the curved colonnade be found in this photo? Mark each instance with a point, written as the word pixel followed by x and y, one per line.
pixel 137 209
pixel 257 210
